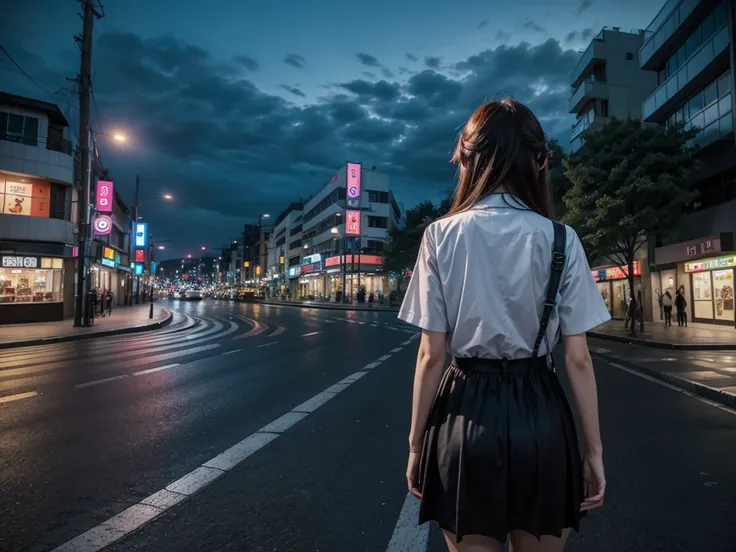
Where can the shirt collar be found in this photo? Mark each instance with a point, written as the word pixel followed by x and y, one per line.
pixel 502 200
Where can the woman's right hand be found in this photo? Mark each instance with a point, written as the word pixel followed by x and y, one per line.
pixel 594 479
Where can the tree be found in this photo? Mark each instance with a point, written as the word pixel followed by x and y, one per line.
pixel 404 241
pixel 559 182
pixel 629 182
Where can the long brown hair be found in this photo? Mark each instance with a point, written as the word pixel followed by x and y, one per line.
pixel 502 148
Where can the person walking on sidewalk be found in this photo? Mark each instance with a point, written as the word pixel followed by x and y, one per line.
pixel 680 306
pixel 109 298
pixel 493 451
pixel 667 304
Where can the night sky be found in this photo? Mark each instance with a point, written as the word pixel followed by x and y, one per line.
pixel 238 107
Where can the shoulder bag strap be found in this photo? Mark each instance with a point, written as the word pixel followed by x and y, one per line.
pixel 557 265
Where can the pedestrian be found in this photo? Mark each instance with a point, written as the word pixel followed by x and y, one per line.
pixel 371 299
pixel 493 452
pixel 667 305
pixel 109 299
pixel 659 302
pixel 680 306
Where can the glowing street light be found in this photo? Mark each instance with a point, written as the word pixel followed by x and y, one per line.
pixel 204 248
pixel 120 137
pixel 161 247
pixel 189 255
pixel 168 196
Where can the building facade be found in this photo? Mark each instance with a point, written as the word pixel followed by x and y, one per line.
pixel 285 250
pixel 607 82
pixel 330 259
pixel 38 212
pixel 690 46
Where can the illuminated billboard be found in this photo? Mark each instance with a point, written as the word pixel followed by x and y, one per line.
pixel 353 180
pixel 352 223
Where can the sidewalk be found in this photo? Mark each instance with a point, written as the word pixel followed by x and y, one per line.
pixel 123 320
pixel 696 337
pixel 328 305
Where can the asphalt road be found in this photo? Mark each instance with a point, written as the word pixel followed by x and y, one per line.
pixel 102 432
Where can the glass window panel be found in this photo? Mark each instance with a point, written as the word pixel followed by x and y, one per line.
pixel 696 103
pixel 672 65
pixel 661 97
pixel 707 27
pixel 710 114
pixel 726 125
pixel 672 87
pixel 724 84
pixel 3 122
pixel 30 131
pixel 47 262
pixel 693 42
pixel 58 263
pixel 29 285
pixel 710 94
pixel 725 105
pixel 720 15
pixel 15 124
pixel 719 42
pixel 697 120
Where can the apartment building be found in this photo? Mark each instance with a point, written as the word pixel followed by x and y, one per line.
pixel 285 249
pixel 690 46
pixel 607 82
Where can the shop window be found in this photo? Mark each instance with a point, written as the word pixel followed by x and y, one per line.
pixel 24 285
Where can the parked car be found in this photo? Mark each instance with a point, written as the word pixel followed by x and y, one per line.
pixel 194 295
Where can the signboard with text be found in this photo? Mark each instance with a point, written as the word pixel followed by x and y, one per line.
pixel 711 264
pixel 350 259
pixel 102 225
pixel 141 235
pixel 20 261
pixel 104 196
pixel 140 255
pixel 352 223
pixel 614 272
pixel 25 198
pixel 353 184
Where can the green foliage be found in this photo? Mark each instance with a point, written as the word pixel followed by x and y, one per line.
pixel 628 181
pixel 403 247
pixel 559 182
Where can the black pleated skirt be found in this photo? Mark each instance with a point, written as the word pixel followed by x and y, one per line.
pixel 501 452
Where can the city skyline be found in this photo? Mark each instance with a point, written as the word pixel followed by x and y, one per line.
pixel 244 120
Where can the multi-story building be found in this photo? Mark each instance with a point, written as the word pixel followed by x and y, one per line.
pixel 334 260
pixel 37 212
pixel 285 249
pixel 255 254
pixel 690 46
pixel 607 82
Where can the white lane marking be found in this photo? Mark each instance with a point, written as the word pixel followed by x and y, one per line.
pixel 407 342
pixel 408 535
pixel 392 328
pixel 397 350
pixel 231 352
pixel 152 370
pixel 18 397
pixel 599 350
pixel 329 321
pixel 360 322
pixel 309 334
pixel 409 331
pixel 152 506
pixel 673 387
pixel 99 381
pixel 374 325
pixel 268 344
pixel 384 357
pixel 371 366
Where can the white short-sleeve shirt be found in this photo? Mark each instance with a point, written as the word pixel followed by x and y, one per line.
pixel 481 277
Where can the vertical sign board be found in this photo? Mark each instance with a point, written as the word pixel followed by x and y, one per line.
pixel 352 223
pixel 353 183
pixel 141 235
pixel 105 194
pixel 140 255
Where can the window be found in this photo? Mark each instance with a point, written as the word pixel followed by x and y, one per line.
pixel 696 103
pixel 17 128
pixel 719 14
pixel 629 56
pixel 693 42
pixel 710 94
pixel 377 197
pixel 27 285
pixel 377 222
pixel 724 85
pixel 57 202
pixel 604 108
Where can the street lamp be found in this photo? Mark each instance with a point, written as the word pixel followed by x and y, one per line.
pixel 161 247
pixel 120 137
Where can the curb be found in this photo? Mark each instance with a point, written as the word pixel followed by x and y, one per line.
pixel 91 335
pixel 663 345
pixel 327 307
pixel 700 389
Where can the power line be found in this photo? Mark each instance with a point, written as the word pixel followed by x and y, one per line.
pixel 29 77
pixel 94 103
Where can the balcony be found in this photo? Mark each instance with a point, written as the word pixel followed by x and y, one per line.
pixel 593 54
pixel 39 161
pixel 30 229
pixel 666 30
pixel 590 121
pixel 588 90
pixel 699 68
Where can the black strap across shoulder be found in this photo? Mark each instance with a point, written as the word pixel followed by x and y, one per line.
pixel 557 265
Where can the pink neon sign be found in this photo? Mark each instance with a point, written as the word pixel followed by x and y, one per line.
pixel 353 184
pixel 352 227
pixel 105 191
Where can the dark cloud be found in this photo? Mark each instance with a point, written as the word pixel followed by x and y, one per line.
pixel 503 36
pixel 587 34
pixel 229 151
pixel 295 60
pixel 386 72
pixel 247 62
pixel 294 90
pixel 412 57
pixel 432 62
pixel 584 5
pixel 368 60
pixel 571 36
pixel 369 74
pixel 532 26
pixel 483 24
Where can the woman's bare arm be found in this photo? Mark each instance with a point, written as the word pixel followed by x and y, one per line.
pixel 579 368
pixel 430 367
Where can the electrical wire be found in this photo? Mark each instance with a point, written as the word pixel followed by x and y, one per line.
pixel 22 71
pixel 94 103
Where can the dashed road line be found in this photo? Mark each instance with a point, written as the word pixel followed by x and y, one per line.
pixel 397 350
pixel 231 352
pixel 124 376
pixel 18 397
pixel 267 344
pixel 162 500
pixel 407 342
pixel 310 334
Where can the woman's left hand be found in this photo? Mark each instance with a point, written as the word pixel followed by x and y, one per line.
pixel 412 473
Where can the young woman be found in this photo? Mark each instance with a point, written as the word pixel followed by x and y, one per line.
pixel 493 452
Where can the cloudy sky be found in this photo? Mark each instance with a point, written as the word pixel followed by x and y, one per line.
pixel 239 107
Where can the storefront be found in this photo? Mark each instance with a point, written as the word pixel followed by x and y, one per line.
pixel 312 284
pixel 712 290
pixel 613 285
pixel 31 288
pixel 704 269
pixel 361 271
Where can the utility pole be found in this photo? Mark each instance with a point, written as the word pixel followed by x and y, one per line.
pixel 81 310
